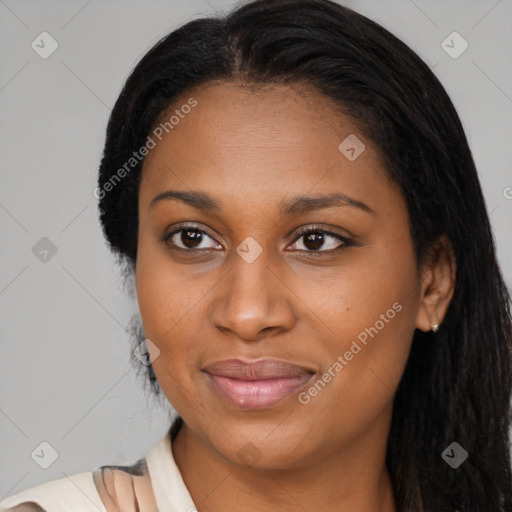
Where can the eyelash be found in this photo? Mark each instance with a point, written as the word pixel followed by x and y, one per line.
pixel 346 242
pixel 302 232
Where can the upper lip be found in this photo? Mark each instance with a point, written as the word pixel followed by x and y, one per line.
pixel 257 370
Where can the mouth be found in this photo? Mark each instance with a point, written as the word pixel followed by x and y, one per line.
pixel 256 385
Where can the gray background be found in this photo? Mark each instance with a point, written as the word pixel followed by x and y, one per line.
pixel 65 376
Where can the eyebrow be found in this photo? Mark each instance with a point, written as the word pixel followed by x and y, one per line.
pixel 298 204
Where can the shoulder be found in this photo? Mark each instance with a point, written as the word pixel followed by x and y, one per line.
pixel 77 491
pixel 125 488
pixel 107 489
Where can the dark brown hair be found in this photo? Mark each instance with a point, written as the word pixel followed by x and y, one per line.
pixel 457 383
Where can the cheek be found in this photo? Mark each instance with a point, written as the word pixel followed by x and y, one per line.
pixel 370 315
pixel 164 303
pixel 164 291
pixel 372 295
pixel 163 308
pixel 171 305
pixel 361 372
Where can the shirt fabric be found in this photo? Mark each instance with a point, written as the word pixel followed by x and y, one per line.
pixel 152 484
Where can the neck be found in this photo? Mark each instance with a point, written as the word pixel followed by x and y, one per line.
pixel 348 479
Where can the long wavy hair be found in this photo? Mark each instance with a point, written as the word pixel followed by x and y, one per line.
pixel 457 383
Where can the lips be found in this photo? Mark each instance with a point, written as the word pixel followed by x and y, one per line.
pixel 259 370
pixel 256 385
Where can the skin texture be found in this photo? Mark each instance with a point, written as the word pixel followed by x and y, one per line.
pixel 251 149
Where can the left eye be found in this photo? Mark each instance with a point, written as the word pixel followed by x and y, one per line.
pixel 314 240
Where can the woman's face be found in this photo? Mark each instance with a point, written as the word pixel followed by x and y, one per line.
pixel 334 309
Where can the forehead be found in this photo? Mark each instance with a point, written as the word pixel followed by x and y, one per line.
pixel 266 142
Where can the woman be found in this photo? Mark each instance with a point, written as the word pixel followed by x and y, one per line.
pixel 316 275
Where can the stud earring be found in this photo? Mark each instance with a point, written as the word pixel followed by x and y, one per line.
pixel 435 327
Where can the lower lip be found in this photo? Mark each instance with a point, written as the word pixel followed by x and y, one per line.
pixel 257 394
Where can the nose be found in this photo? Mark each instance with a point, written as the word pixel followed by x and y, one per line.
pixel 252 302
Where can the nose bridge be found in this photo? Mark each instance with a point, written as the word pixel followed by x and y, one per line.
pixel 251 299
pixel 249 277
pixel 249 293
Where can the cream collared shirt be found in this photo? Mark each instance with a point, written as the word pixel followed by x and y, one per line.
pixel 152 484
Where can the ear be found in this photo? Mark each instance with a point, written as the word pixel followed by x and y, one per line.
pixel 437 284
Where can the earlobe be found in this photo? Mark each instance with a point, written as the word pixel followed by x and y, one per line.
pixel 428 318
pixel 437 287
pixel 435 326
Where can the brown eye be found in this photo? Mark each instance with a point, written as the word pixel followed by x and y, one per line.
pixel 314 241
pixel 320 240
pixel 190 238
